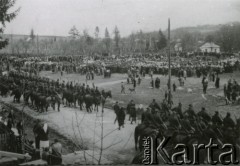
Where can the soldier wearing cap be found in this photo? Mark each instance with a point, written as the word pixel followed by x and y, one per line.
pixel 228 122
pixel 191 113
pixel 216 120
pixel 204 115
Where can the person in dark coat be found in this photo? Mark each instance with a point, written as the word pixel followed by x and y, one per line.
pixel 228 122
pixel 157 83
pixel 204 115
pixel 174 87
pixel 20 127
pixel 121 117
pixel 178 110
pixel 154 106
pixel 134 83
pixel 132 111
pixel 36 130
pixel 217 82
pixel 145 116
pixel 205 85
pixel 116 109
pixel 216 120
pixel 11 117
pixel 191 113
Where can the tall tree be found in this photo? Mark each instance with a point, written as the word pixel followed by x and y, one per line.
pixel 188 42
pixel 132 42
pixel 32 35
pixel 107 40
pixel 74 33
pixel 6 16
pixel 88 38
pixel 141 41
pixel 162 41
pixel 96 33
pixel 116 38
pixel 209 38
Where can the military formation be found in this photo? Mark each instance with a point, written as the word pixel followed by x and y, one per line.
pixel 43 92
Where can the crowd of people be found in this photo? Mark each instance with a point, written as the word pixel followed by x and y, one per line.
pixel 38 147
pixel 143 63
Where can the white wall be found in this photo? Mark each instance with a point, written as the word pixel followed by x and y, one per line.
pixel 208 49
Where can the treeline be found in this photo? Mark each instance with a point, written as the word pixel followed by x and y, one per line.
pixel 82 43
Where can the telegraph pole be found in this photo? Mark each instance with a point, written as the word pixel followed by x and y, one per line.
pixel 169 67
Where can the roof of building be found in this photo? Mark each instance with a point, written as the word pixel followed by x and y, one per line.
pixel 178 45
pixel 210 45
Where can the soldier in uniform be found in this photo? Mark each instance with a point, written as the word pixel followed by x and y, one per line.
pixel 216 120
pixel 121 117
pixel 191 114
pixel 97 92
pixel 132 111
pixel 228 122
pixel 63 84
pixel 145 116
pixel 116 109
pixel 71 86
pixel 204 115
pixel 178 110
pixel 88 90
pixel 154 106
pixel 57 83
pixel 68 86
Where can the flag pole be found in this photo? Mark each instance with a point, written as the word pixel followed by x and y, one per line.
pixel 169 68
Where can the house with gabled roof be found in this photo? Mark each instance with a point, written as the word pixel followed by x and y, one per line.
pixel 210 47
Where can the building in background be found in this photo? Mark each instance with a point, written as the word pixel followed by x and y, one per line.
pixel 178 47
pixel 210 48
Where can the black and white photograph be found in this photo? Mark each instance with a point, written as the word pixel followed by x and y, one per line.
pixel 119 82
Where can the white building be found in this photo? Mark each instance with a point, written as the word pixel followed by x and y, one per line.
pixel 178 47
pixel 210 48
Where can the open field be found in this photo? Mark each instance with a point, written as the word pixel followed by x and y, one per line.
pixel 191 93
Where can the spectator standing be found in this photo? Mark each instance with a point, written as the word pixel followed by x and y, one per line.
pixel 121 117
pixel 122 88
pixel 217 82
pixel 174 87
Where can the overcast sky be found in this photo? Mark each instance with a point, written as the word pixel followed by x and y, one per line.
pixel 56 17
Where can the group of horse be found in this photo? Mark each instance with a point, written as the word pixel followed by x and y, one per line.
pixel 92 101
pixel 41 101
